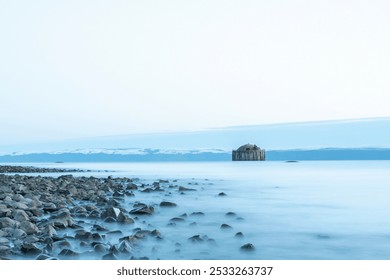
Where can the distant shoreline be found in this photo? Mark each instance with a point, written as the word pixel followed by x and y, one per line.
pixel 158 156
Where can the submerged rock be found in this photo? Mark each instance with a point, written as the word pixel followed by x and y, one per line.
pixel 247 247
pixel 144 210
pixel 184 189
pixel 167 204
pixel 225 227
pixel 196 239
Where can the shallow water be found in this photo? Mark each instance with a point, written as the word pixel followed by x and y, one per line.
pixel 303 210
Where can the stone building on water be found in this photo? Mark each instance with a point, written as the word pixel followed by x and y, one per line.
pixel 248 152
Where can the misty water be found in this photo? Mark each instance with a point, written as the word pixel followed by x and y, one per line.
pixel 301 210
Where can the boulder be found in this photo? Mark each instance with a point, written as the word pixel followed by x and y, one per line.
pixel 28 227
pixel 247 247
pixel 167 204
pixel 143 210
pixel 8 222
pixel 111 212
pixel 20 215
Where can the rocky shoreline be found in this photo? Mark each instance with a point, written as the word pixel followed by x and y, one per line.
pixel 32 169
pixel 69 217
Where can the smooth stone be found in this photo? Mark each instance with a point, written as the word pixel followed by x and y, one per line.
pixel 68 253
pixel 124 247
pixel 239 235
pixel 124 219
pixel 143 210
pixel 29 248
pixel 8 222
pixel 110 220
pixel 111 212
pixel 20 215
pixel 184 189
pixel 231 214
pixel 167 204
pixel 225 227
pixel 110 256
pixel 177 219
pixel 196 239
pixel 29 227
pixel 247 247
pixel 197 214
pixel 100 248
pixel 4 241
pixel 43 257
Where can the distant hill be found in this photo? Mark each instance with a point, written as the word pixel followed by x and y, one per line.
pixel 351 139
pixel 157 155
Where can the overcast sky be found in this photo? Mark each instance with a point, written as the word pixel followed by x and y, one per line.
pixel 88 68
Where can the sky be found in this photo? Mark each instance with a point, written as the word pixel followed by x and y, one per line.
pixel 73 69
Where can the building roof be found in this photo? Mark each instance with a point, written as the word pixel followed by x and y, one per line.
pixel 247 147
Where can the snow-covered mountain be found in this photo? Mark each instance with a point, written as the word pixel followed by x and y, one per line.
pixel 218 143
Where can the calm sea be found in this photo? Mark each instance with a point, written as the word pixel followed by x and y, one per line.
pixel 302 210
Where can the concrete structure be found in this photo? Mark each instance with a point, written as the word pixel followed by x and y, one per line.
pixel 248 152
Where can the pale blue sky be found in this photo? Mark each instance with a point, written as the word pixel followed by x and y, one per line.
pixel 87 68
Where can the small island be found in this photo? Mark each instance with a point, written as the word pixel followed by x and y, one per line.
pixel 248 152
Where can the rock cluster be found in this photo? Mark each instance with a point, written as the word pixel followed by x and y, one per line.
pixel 67 217
pixel 33 209
pixel 31 169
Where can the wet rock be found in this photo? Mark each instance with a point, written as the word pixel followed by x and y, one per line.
pixel 49 231
pixel 167 204
pixel 20 216
pixel 42 257
pixel 111 212
pixel 17 233
pixel 8 222
pixel 94 214
pixel 4 241
pixel 177 219
pixel 231 214
pixel 5 212
pixel 184 189
pixel 31 239
pixel 196 239
pixel 68 253
pixel 155 232
pixel 132 187
pixel 18 205
pixel 30 249
pixel 247 247
pixel 101 248
pixel 239 235
pixel 29 227
pixel 124 247
pixel 144 210
pixel 62 244
pixel 110 220
pixel 222 194
pixel 49 207
pixel 118 194
pixel 97 237
pixel 110 256
pixel 4 250
pixel 197 214
pixel 225 227
pixel 124 219
pixel 99 228
pixel 83 235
